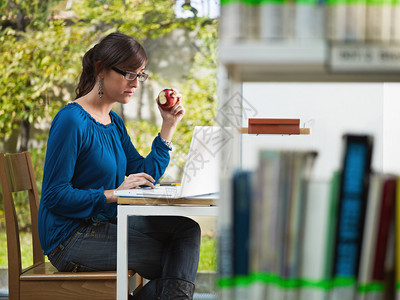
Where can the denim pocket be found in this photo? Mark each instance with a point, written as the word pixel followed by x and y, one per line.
pixel 59 256
pixel 56 257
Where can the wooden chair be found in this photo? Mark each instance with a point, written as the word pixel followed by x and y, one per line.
pixel 41 280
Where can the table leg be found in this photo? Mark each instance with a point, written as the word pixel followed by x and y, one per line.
pixel 122 254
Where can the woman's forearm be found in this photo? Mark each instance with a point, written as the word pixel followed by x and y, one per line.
pixel 167 131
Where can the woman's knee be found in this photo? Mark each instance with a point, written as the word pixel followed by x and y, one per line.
pixel 193 231
pixel 192 225
pixel 196 228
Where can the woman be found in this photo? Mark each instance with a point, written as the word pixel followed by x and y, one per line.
pixel 89 156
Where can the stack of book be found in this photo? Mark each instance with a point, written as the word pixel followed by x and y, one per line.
pixel 333 20
pixel 290 237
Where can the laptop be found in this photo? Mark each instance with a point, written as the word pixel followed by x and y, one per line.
pixel 201 172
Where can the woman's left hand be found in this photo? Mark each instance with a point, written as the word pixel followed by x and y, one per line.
pixel 171 119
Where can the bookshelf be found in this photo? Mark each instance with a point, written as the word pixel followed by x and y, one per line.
pixel 311 61
pixel 246 55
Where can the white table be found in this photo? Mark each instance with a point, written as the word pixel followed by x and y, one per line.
pixel 146 207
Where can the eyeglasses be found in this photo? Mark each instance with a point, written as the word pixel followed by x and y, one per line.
pixel 130 75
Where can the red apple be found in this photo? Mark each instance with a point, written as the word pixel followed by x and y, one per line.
pixel 167 98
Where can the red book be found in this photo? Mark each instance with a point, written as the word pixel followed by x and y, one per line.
pixel 385 218
pixel 274 126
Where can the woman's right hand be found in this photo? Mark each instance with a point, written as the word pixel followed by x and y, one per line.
pixel 132 181
pixel 135 180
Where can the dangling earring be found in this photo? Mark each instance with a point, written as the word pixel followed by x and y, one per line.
pixel 101 88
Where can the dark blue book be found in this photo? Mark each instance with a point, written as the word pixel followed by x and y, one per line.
pixel 355 171
pixel 242 194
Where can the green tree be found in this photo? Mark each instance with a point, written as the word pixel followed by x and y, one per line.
pixel 38 67
pixel 39 62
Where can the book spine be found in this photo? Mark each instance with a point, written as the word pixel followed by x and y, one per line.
pixel 239 20
pixel 274 129
pixel 379 16
pixel 395 29
pixel 256 216
pixel 286 268
pixel 289 11
pixel 300 164
pixel 252 17
pixel 260 214
pixel 365 284
pixel 225 240
pixel 242 187
pixel 385 218
pixel 335 23
pixel 316 229
pixel 270 162
pixel 272 16
pixel 356 14
pixel 331 230
pixel 309 20
pixel 274 126
pixel 285 181
pixel 351 213
pixel 242 196
pixel 397 238
pixel 232 21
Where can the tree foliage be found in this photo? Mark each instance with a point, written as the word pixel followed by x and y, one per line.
pixel 38 68
pixel 42 45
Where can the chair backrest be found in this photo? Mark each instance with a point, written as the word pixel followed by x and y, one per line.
pixel 16 175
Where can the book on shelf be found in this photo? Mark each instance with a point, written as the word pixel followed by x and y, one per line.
pixel 390 265
pixel 379 16
pixel 335 20
pixel 252 15
pixel 273 126
pixel 225 240
pixel 242 189
pixel 395 22
pixel 319 225
pixel 232 22
pixel 365 283
pixel 334 196
pixel 272 20
pixel 397 238
pixel 309 20
pixel 242 197
pixel 386 217
pixel 354 184
pixel 239 20
pixel 356 20
pixel 264 241
pixel 299 164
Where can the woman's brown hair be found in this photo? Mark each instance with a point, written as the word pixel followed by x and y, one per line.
pixel 113 50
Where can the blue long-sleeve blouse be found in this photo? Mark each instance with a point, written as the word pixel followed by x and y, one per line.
pixel 83 159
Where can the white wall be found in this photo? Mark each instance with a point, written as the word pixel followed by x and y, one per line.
pixel 391 126
pixel 329 109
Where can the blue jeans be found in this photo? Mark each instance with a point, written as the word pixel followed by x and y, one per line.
pixel 158 247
